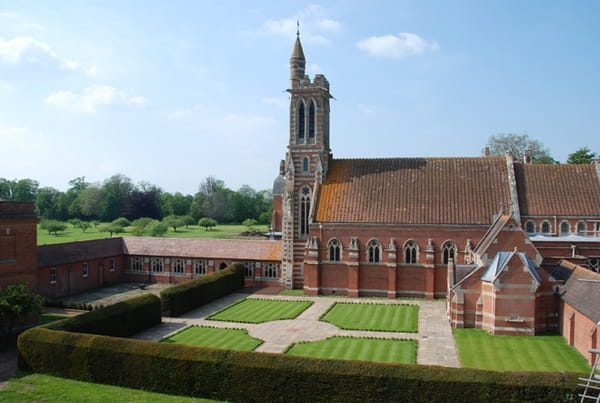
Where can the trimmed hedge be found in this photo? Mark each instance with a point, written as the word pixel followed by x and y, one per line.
pixel 180 298
pixel 248 376
pixel 122 319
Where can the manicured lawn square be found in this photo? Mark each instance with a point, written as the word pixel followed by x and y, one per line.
pixel 252 310
pixel 203 336
pixel 479 349
pixel 376 317
pixel 359 348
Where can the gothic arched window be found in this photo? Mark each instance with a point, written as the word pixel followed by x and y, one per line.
pixel 304 210
pixel 300 122
pixel 564 228
pixel 305 164
pixel 374 251
pixel 581 228
pixel 410 252
pixel 530 227
pixel 311 122
pixel 335 250
pixel 546 227
pixel 448 252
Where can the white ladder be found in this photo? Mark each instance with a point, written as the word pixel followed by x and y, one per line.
pixel 591 385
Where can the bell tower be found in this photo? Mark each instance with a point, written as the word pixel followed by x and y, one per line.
pixel 306 161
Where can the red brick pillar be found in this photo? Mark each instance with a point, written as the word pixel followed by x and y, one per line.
pixel 311 268
pixel 353 267
pixel 429 281
pixel 391 261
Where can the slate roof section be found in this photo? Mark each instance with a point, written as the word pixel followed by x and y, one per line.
pixel 558 190
pixel 414 190
pixel 582 290
pixel 206 248
pixel 71 252
pixel 501 260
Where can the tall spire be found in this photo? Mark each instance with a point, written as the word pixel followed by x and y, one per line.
pixel 297 60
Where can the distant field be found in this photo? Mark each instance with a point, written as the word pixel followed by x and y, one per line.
pixel 478 349
pixel 222 231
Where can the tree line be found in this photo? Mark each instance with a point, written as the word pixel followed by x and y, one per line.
pixel 118 197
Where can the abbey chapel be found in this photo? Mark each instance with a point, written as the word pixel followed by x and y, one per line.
pixel 513 246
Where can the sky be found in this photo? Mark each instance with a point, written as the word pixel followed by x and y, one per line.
pixel 170 92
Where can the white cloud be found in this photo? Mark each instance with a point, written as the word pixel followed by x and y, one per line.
pixel 397 46
pixel 94 97
pixel 366 109
pixel 9 15
pixel 314 24
pixel 30 50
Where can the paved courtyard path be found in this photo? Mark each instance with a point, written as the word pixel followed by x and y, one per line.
pixel 435 340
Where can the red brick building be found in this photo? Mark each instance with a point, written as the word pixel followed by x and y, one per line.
pixel 18 240
pixel 486 232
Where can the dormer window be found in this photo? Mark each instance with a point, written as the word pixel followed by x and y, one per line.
pixel 564 228
pixel 581 228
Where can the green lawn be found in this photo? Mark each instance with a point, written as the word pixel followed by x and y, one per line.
pixel 252 310
pixel 232 339
pixel 478 349
pixel 358 348
pixel 221 231
pixel 46 388
pixel 377 317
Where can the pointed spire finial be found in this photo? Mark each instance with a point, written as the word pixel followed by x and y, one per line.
pixel 297 28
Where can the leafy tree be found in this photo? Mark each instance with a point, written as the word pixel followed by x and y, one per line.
pixel 116 190
pixel 91 201
pixel 18 190
pixel 143 203
pixel 250 223
pixel 582 156
pixel 265 217
pixel 188 220
pixel 46 204
pixel 173 221
pixel 517 144
pixel 84 225
pixel 53 226
pixel 121 221
pixel 111 228
pixel 157 228
pixel 15 301
pixel 214 200
pixel 140 225
pixel 207 223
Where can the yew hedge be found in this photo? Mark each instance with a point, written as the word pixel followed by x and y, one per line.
pixel 189 295
pixel 248 376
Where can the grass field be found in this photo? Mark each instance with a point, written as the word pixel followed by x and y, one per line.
pixel 46 388
pixel 358 348
pixel 221 231
pixel 232 339
pixel 478 349
pixel 378 317
pixel 260 310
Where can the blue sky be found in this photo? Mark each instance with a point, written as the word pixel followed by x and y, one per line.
pixel 172 92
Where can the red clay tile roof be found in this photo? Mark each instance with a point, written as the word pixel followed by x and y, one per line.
pixel 561 190
pixel 205 248
pixel 71 252
pixel 414 191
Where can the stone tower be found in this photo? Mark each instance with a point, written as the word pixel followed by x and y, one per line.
pixel 306 161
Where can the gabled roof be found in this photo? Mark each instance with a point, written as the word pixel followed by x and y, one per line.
pixel 414 190
pixel 206 248
pixel 582 290
pixel 561 190
pixel 501 260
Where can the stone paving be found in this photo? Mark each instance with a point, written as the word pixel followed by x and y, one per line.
pixel 435 341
